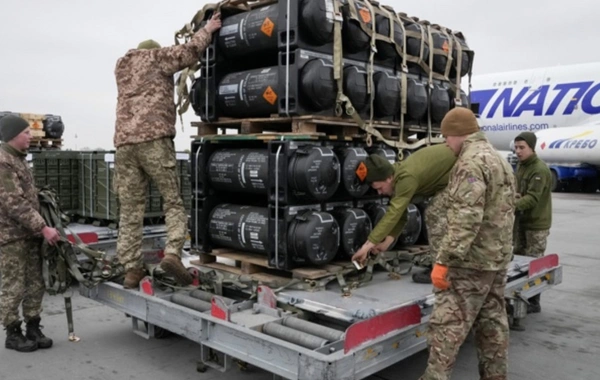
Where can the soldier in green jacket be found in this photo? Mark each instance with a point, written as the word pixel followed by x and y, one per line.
pixel 424 173
pixel 534 206
pixel 469 274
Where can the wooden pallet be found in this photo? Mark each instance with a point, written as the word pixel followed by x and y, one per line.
pixel 43 143
pixel 316 125
pixel 257 267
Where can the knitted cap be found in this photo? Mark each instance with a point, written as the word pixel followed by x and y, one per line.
pixel 529 137
pixel 149 44
pixel 378 168
pixel 459 121
pixel 11 126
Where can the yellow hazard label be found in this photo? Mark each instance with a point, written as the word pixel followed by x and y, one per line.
pixel 270 95
pixel 267 27
pixel 361 171
pixel 365 15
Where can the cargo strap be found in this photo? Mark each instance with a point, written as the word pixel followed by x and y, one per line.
pixel 61 259
pixel 60 262
pixel 343 103
pixel 397 263
pixel 185 34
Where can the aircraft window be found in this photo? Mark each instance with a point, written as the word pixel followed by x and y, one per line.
pixel 494 84
pixel 504 83
pixel 525 81
pixel 548 79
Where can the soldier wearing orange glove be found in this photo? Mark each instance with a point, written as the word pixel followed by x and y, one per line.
pixel 470 268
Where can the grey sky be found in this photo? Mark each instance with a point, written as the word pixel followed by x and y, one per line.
pixel 58 56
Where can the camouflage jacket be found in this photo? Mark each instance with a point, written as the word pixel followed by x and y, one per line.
pixel 19 209
pixel 145 83
pixel 481 208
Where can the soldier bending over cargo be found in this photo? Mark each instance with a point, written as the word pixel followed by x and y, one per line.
pixel 22 230
pixel 534 206
pixel 469 275
pixel 425 174
pixel 144 132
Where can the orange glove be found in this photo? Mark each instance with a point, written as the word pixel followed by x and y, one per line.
pixel 438 276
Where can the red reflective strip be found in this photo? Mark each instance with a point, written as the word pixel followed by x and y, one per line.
pixel 146 286
pixel 86 237
pixel 217 311
pixel 380 325
pixel 537 266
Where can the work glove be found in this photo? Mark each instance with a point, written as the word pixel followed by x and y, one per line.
pixel 438 276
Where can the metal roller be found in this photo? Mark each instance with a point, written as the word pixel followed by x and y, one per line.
pixel 190 302
pixel 328 333
pixel 206 296
pixel 294 336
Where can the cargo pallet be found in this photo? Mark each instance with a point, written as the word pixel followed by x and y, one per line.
pixel 380 324
pixel 310 125
pixel 43 143
pixel 256 268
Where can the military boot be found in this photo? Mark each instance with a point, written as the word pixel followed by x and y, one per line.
pixel 422 277
pixel 15 340
pixel 174 267
pixel 34 333
pixel 133 278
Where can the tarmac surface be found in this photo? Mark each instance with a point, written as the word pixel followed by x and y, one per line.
pixel 560 343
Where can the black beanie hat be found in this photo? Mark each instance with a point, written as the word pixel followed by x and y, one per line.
pixel 11 126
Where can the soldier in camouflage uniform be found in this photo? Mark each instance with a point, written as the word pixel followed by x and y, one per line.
pixel 534 206
pixel 425 174
pixel 22 230
pixel 145 128
pixel 469 275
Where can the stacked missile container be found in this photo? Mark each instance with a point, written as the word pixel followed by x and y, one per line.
pixel 262 63
pixel 299 201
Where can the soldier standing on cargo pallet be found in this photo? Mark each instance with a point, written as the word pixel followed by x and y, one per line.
pixel 424 173
pixel 470 270
pixel 145 128
pixel 534 205
pixel 22 230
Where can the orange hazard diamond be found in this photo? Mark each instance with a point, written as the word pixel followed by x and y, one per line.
pixel 361 171
pixel 270 95
pixel 445 46
pixel 365 15
pixel 267 27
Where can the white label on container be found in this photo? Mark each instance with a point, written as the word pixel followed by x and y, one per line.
pixel 228 89
pixel 228 30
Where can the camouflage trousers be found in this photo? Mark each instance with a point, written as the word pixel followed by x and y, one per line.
pixel 436 223
pixel 22 280
pixel 475 299
pixel 530 243
pixel 135 165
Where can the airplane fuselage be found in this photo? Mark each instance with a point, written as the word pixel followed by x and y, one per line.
pixel 535 100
